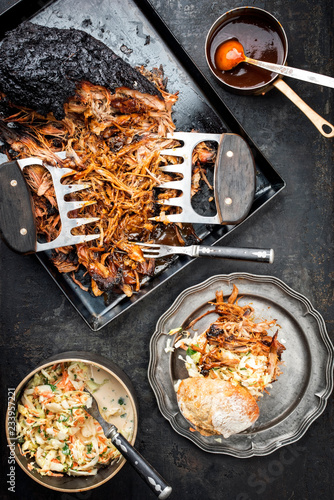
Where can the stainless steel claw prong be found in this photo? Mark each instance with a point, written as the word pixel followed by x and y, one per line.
pixel 190 141
pixel 65 237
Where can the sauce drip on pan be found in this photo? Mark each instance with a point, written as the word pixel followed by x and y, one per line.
pixel 260 40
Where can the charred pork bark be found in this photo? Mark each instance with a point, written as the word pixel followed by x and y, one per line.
pixel 40 67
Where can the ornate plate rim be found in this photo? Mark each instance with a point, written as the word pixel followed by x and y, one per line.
pixel 161 384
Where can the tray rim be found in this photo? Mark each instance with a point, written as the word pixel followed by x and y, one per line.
pixel 97 321
pixel 309 417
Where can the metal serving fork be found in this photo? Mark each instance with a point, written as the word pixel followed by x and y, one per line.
pixel 155 251
pixel 139 463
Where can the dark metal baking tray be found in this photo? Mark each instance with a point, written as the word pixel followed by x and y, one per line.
pixel 134 30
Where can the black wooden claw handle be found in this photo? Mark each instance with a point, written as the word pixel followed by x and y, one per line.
pixel 144 469
pixel 17 219
pixel 234 179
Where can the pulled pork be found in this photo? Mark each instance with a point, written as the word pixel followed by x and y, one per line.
pixel 113 143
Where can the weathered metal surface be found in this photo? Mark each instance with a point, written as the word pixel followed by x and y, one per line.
pixel 37 320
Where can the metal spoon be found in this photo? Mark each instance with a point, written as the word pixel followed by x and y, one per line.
pixel 231 53
pixel 144 469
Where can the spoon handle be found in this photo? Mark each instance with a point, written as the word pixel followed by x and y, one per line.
pixel 299 74
pixel 144 469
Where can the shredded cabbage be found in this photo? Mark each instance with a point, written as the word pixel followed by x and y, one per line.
pixel 250 370
pixel 54 427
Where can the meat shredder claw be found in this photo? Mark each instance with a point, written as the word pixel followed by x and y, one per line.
pixel 17 218
pixel 234 179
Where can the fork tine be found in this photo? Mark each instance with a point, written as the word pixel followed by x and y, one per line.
pixel 152 250
pixel 145 244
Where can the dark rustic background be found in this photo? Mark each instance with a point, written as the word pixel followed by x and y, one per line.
pixel 37 321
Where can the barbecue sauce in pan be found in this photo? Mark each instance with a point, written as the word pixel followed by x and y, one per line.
pixel 260 40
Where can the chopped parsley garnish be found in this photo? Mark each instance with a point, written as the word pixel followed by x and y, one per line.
pixel 89 448
pixel 53 387
pixel 66 450
pixel 121 401
pixel 63 418
pixel 191 351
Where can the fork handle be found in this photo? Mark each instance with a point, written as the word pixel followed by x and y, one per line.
pixel 253 254
pixel 157 484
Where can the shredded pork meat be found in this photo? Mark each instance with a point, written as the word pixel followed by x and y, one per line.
pixel 235 347
pixel 113 143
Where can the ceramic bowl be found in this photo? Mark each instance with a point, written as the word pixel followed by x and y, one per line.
pixel 106 370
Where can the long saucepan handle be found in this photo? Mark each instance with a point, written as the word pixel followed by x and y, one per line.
pixel 316 119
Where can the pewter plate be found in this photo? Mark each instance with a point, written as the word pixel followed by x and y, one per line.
pixel 299 395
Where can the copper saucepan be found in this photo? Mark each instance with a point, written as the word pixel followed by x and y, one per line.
pixel 262 35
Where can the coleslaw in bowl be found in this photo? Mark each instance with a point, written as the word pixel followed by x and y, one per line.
pixel 57 442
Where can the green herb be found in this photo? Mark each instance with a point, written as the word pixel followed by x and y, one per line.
pixel 105 408
pixel 89 448
pixel 75 376
pixel 66 450
pixel 124 415
pixel 243 368
pixel 190 351
pixel 63 418
pixel 53 387
pixel 121 401
pixel 74 408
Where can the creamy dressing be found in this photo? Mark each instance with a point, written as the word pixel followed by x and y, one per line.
pixel 113 400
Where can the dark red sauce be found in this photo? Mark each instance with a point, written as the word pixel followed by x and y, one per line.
pixel 260 39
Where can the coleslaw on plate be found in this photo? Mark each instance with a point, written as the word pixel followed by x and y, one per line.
pixel 236 347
